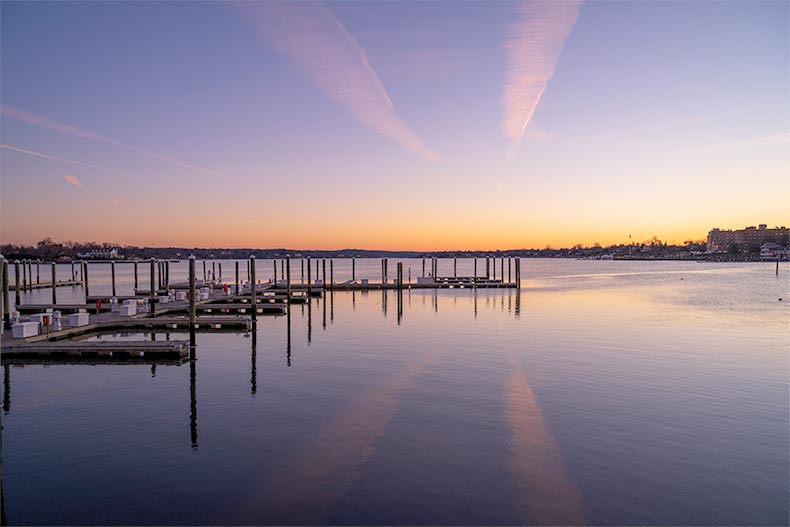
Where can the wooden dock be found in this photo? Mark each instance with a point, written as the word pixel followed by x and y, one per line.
pixel 45 285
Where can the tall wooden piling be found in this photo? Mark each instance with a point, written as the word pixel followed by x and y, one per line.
pixel 331 273
pixel 323 272
pixel 301 276
pixel 73 276
pixel 192 303
pixel 54 284
pixel 152 293
pixel 38 271
pixel 353 269
pixel 248 270
pixel 16 283
pixel 455 267
pixel 502 268
pixel 24 277
pixel 167 274
pixel 423 266
pixel 219 264
pixel 474 276
pixel 309 278
pixel 508 268
pixel 274 264
pixel 135 274
pixel 288 282
pixel 6 308
pixel 282 269
pixel 237 278
pixel 253 293
pixel 213 271
pixel 204 271
pixel 112 272
pixel 488 268
pixel 85 277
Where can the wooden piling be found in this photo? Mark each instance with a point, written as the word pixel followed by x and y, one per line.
pixel 455 267
pixel 354 269
pixel 474 277
pixel 112 272
pixel 288 282
pixel 6 309
pixel 204 271
pixel 24 276
pixel 213 271
pixel 16 283
pixel 509 259
pixel 488 268
pixel 309 277
pixel 237 279
pixel 253 295
pixel 274 264
pixel 54 284
pixel 152 300
pixel 301 276
pixel 192 302
pixel 323 272
pixel 85 277
pixel 502 268
pixel 331 273
pixel 73 276
pixel 423 266
pixel 38 271
pixel 135 274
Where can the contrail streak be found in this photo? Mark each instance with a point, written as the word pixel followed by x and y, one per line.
pixel 56 158
pixel 533 50
pixel 43 122
pixel 311 37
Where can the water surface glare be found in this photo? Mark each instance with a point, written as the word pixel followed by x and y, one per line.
pixel 604 393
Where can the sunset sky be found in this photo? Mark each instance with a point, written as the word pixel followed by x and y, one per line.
pixel 402 125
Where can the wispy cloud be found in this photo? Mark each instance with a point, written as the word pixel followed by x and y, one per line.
pixel 56 158
pixel 782 138
pixel 116 201
pixel 311 37
pixel 533 49
pixel 43 122
pixel 73 180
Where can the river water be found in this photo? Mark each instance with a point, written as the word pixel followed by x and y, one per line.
pixel 604 393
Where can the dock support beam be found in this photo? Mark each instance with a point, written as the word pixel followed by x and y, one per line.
pixel 54 285
pixel 192 302
pixel 288 282
pixel 253 298
pixel 6 309
pixel 85 277
pixel 112 271
pixel 152 300
pixel 16 283
pixel 274 265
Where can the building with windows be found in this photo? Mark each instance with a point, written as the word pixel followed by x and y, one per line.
pixel 750 238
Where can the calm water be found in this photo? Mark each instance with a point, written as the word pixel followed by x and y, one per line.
pixel 604 393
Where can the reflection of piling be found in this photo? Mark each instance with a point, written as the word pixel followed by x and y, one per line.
pixel 112 272
pixel 192 303
pixel 193 435
pixel 253 294
pixel 6 390
pixel 6 309
pixel 54 284
pixel 309 313
pixel 253 361
pixel 152 293
pixel 288 338
pixel 16 283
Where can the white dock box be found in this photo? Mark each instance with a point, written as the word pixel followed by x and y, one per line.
pixel 319 283
pixel 78 319
pixel 365 281
pixel 164 299
pixel 38 318
pixel 181 295
pixel 22 330
pixel 128 310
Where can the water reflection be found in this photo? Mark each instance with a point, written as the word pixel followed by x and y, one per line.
pixel 253 359
pixel 6 389
pixel 193 431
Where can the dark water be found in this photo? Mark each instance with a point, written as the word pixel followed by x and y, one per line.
pixel 603 393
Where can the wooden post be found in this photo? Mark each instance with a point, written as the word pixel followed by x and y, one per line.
pixel 502 268
pixel 24 276
pixel 353 269
pixel 16 284
pixel 455 267
pixel 493 268
pixel 382 270
pixel 85 277
pixel 323 272
pixel 309 279
pixel 475 275
pixel 423 266
pixel 220 272
pixel 288 282
pixel 192 303
pixel 213 271
pixel 282 269
pixel 253 295
pixel 54 284
pixel 38 271
pixel 30 275
pixel 274 264
pixel 400 276
pixel 152 292
pixel 248 270
pixel 112 272
pixel 508 268
pixel 237 278
pixel 301 276
pixel 488 268
pixel 6 308
pixel 204 271
pixel 73 276
pixel 331 273
pixel 135 274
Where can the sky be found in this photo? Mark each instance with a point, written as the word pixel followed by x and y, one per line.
pixel 392 125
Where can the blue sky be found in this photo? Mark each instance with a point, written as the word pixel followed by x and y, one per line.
pixel 659 118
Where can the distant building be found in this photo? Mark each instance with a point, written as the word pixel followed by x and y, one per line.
pixel 101 254
pixel 772 251
pixel 750 237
